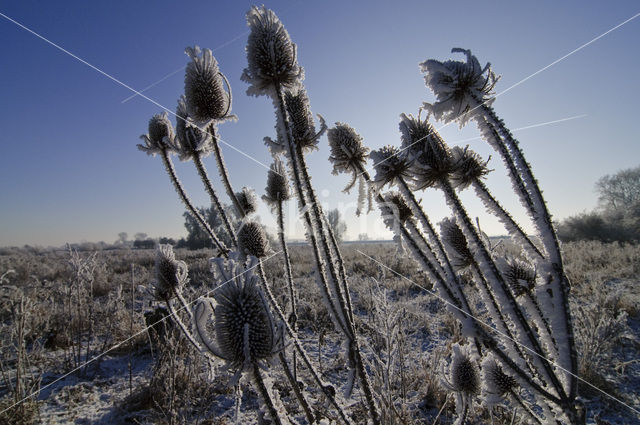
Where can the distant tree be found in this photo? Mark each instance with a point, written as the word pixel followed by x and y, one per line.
pixel 619 191
pixel 164 240
pixel 140 236
pixel 144 244
pixel 198 238
pixel 363 237
pixel 338 226
pixel 122 238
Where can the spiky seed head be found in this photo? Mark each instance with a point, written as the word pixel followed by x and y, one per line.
pixel 248 200
pixel 160 135
pixel 396 202
pixel 205 96
pixel 428 153
pixel 458 86
pixel 243 323
pixel 271 55
pixel 189 140
pixel 302 127
pixel 497 382
pixel 520 276
pixel 277 189
pixel 252 240
pixel 463 373
pixel 468 167
pixel 348 153
pixel 170 274
pixel 456 244
pixel 390 164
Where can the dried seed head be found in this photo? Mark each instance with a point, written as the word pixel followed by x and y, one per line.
pixel 497 382
pixel 348 153
pixel 271 55
pixel 302 126
pixel 463 374
pixel 252 240
pixel 397 206
pixel 170 273
pixel 428 153
pixel 248 200
pixel 244 327
pixel 160 136
pixel 205 97
pixel 458 86
pixel 189 140
pixel 456 244
pixel 468 167
pixel 520 276
pixel 277 189
pixel 390 164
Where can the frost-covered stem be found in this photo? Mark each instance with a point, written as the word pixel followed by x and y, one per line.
pixel 292 292
pixel 182 326
pixel 498 285
pixel 560 283
pixel 293 380
pixel 505 218
pixel 266 397
pixel 524 407
pixel 197 160
pixel 224 173
pixel 303 354
pixel 185 200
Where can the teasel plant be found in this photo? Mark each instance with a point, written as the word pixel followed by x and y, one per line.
pixel 527 329
pixel 273 71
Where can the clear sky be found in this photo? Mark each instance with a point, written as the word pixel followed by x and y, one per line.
pixel 70 170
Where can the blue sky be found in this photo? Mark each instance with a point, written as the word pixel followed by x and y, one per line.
pixel 70 170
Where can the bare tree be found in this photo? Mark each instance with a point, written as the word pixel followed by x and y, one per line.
pixel 337 225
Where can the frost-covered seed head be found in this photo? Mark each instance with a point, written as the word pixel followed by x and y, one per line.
pixel 498 382
pixel 240 305
pixel 277 189
pixel 463 373
pixel 430 157
pixel 390 164
pixel 205 96
pixel 189 138
pixel 456 83
pixel 397 203
pixel 456 244
pixel 299 112
pixel 160 136
pixel 348 153
pixel 520 276
pixel 271 55
pixel 170 274
pixel 468 167
pixel 252 240
pixel 248 200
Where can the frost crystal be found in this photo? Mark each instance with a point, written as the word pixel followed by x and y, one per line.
pixel 206 99
pixel 458 86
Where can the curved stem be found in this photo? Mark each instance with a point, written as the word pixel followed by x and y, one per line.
pixel 185 200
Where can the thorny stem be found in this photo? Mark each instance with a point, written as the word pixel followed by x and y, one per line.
pixel 303 354
pixel 197 160
pixel 185 200
pixel 181 325
pixel 296 388
pixel 264 393
pixel 224 173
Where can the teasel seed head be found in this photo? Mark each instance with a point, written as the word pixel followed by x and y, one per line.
pixel 248 200
pixel 498 384
pixel 160 136
pixel 252 240
pixel 468 167
pixel 456 244
pixel 271 55
pixel 189 140
pixel 302 127
pixel 170 274
pixel 429 155
pixel 395 204
pixel 205 96
pixel 520 276
pixel 277 189
pixel 390 164
pixel 463 373
pixel 348 153
pixel 455 84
